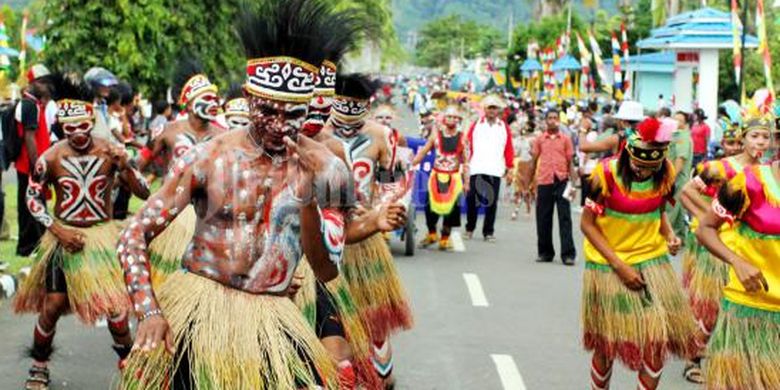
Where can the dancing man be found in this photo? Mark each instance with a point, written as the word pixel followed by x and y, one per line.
pixel 75 268
pixel 446 183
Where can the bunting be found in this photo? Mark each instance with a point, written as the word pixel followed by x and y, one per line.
pixel 618 75
pixel 736 27
pixel 5 64
pixel 600 68
pixel 626 54
pixel 585 58
pixel 763 46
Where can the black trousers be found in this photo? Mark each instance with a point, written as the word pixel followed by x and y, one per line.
pixel 548 197
pixel 450 220
pixel 30 230
pixel 122 203
pixel 485 190
pixel 584 189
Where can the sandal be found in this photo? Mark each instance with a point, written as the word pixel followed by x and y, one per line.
pixel 38 379
pixel 693 373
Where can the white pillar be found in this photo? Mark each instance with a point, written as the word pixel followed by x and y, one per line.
pixel 708 85
pixel 683 87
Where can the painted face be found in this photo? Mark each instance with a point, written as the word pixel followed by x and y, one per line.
pixel 236 122
pixel 346 130
pixel 274 120
pixel 756 142
pixel 206 106
pixel 319 112
pixel 78 134
pixel 643 170
pixel 384 118
pixel 731 147
pixel 427 126
pixel 452 121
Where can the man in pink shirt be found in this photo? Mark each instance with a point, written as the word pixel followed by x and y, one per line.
pixel 553 153
pixel 700 134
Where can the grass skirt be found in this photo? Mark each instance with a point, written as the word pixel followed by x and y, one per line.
pixel 167 249
pixel 356 334
pixel 704 277
pixel 744 351
pixel 375 286
pixel 626 325
pixel 94 279
pixel 234 340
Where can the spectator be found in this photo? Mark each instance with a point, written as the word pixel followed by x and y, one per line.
pixel 490 141
pixel 101 81
pixel 588 161
pixel 33 127
pixel 553 153
pixel 681 155
pixel 162 114
pixel 700 134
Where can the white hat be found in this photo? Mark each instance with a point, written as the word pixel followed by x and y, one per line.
pixel 631 111
pixel 492 101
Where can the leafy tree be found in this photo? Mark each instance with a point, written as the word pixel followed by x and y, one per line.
pixel 450 35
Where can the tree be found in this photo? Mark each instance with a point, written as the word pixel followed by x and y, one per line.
pixel 450 35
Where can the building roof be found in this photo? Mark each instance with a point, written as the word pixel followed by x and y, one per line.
pixel 566 62
pixel 705 28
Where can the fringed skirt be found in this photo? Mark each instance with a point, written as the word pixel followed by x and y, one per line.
pixel 167 249
pixel 444 190
pixel 375 286
pixel 704 277
pixel 93 278
pixel 744 350
pixel 337 292
pixel 231 340
pixel 521 175
pixel 629 325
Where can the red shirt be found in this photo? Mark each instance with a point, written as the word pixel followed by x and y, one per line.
pixel 32 119
pixel 555 152
pixel 700 133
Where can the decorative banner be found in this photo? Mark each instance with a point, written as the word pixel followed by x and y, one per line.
pixel 618 75
pixel 600 68
pixel 736 27
pixel 5 64
pixel 585 58
pixel 626 54
pixel 23 46
pixel 763 46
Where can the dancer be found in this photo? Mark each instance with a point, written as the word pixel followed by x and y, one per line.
pixel 262 202
pixel 368 267
pixel 198 96
pixel 633 308
pixel 236 109
pixel 446 183
pixel 75 269
pixel 703 275
pixel 744 349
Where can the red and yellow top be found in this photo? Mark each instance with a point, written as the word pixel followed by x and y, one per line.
pixel 631 220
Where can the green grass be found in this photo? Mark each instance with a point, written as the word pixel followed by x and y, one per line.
pixel 8 247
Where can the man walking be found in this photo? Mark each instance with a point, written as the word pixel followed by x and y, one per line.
pixel 490 140
pixel 553 152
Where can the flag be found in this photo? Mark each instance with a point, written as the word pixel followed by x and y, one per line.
pixel 626 54
pixel 5 64
pixel 600 69
pixel 736 27
pixel 585 63
pixel 763 46
pixel 559 46
pixel 23 45
pixel 618 78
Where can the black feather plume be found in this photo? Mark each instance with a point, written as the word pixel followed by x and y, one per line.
pixel 70 85
pixel 355 85
pixel 185 68
pixel 235 91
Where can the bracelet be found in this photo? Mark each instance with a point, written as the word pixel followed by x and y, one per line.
pixel 150 313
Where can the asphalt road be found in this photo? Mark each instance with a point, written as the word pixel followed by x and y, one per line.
pixel 488 317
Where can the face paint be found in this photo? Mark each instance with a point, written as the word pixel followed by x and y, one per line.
pixel 236 122
pixel 642 170
pixel 347 130
pixel 452 121
pixel 319 112
pixel 206 106
pixel 274 120
pixel 78 134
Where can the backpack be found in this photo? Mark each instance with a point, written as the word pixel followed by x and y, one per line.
pixel 12 142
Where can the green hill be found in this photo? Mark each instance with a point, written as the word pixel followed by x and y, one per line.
pixel 411 15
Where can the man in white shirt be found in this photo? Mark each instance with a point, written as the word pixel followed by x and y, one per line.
pixel 490 144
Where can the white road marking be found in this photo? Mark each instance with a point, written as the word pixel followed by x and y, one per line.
pixel 508 372
pixel 457 242
pixel 476 292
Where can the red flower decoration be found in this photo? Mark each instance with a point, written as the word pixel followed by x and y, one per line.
pixel 648 129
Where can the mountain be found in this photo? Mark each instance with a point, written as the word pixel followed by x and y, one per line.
pixel 411 15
